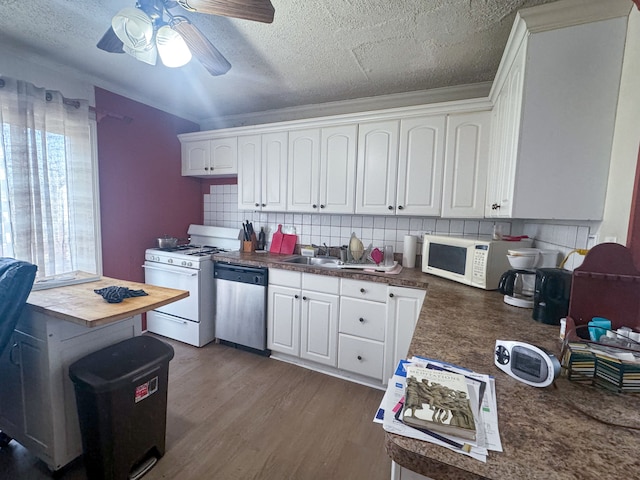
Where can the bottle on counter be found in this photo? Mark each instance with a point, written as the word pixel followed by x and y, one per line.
pixel 262 239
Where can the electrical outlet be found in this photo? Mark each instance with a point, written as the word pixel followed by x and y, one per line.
pixel 592 240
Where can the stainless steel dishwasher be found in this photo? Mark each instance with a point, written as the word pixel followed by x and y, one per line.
pixel 241 305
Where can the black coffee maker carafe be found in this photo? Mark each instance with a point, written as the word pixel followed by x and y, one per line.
pixel 551 297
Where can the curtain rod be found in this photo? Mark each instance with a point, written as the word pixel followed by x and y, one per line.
pixel 102 113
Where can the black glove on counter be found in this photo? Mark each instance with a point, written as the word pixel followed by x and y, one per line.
pixel 117 294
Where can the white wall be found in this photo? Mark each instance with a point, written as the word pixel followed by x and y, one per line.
pixel 626 139
pixel 45 75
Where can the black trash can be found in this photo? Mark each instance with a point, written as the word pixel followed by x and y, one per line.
pixel 121 394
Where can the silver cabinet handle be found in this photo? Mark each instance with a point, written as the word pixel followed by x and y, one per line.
pixel 11 359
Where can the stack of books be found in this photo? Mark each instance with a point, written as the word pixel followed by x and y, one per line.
pixel 604 366
pixel 443 404
pixel 579 362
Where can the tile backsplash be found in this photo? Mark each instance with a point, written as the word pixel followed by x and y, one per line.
pixel 221 209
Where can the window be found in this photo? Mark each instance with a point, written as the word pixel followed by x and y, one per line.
pixel 48 184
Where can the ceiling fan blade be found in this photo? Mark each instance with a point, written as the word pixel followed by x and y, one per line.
pixel 200 47
pixel 110 42
pixel 256 10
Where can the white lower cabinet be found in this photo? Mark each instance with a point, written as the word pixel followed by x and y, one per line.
pixel 350 328
pixel 37 398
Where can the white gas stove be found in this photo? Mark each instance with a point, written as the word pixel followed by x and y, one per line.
pixel 188 267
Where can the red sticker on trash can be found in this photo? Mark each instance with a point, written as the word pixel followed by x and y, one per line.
pixel 146 389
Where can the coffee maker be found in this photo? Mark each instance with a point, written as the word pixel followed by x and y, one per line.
pixel 551 297
pixel 518 284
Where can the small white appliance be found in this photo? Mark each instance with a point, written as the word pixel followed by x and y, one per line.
pixel 527 363
pixel 188 267
pixel 477 261
pixel 518 283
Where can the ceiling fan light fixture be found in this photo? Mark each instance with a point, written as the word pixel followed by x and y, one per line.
pixel 134 28
pixel 172 48
pixel 149 55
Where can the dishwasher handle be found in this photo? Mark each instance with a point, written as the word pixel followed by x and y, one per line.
pixel 241 274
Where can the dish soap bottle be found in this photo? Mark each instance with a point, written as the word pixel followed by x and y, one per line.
pixel 262 239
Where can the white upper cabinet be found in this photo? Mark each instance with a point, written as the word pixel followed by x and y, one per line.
pixel 467 160
pixel 322 165
pixel 555 98
pixel 262 171
pixel 420 166
pixel 377 167
pixel 204 158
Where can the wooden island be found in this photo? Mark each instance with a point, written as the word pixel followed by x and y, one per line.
pixel 57 327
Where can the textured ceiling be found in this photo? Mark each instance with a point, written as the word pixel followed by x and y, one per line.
pixel 314 51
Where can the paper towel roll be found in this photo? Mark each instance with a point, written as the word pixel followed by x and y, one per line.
pixel 409 251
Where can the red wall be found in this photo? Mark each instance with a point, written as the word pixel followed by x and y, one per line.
pixel 142 193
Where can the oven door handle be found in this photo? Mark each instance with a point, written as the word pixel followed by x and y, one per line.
pixel 193 274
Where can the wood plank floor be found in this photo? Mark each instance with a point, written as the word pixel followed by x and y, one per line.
pixel 234 415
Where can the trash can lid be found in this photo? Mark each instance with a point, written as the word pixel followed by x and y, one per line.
pixel 114 366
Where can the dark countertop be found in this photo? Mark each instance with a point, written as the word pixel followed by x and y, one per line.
pixel 547 433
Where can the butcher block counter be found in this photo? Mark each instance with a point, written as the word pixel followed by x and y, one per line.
pixel 564 432
pixel 80 304
pixel 57 327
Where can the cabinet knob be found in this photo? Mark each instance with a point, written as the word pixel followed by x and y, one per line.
pixel 206 168
pixel 495 206
pixel 362 290
pixel 304 298
pixel 296 296
pixel 321 206
pixel 264 204
pixel 361 320
pixel 400 207
pixel 314 205
pixel 359 357
pixel 390 207
pixel 257 204
pixel 391 295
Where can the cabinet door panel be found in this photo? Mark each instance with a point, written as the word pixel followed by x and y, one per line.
pixel 467 160
pixel 224 156
pixel 11 406
pixel 319 327
pixel 377 167
pixel 338 169
pixel 361 356
pixel 196 157
pixel 420 165
pixel 249 172
pixel 283 319
pixel 304 170
pixel 274 171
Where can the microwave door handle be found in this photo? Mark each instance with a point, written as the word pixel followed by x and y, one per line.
pixel 170 271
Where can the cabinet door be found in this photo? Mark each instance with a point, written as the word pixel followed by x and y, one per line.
pixel 283 320
pixel 224 156
pixel 466 163
pixel 419 188
pixel 377 167
pixel 338 168
pixel 403 309
pixel 319 327
pixel 502 168
pixel 274 172
pixel 11 402
pixel 250 172
pixel 196 157
pixel 304 170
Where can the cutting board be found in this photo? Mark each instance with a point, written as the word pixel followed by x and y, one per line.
pixel 276 240
pixel 288 243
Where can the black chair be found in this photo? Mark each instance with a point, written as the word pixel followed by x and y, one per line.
pixel 16 280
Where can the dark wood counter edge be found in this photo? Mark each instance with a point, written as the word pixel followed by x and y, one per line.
pixel 545 432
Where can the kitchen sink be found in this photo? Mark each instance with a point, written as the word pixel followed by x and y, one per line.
pixel 331 262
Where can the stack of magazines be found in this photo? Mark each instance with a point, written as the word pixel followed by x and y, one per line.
pixel 444 404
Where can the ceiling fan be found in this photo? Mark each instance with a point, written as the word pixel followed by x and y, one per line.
pixel 149 30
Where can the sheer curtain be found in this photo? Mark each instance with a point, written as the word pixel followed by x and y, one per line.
pixel 48 193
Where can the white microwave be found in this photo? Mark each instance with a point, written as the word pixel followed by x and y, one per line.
pixel 475 261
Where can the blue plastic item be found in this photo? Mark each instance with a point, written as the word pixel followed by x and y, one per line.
pixel 598 326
